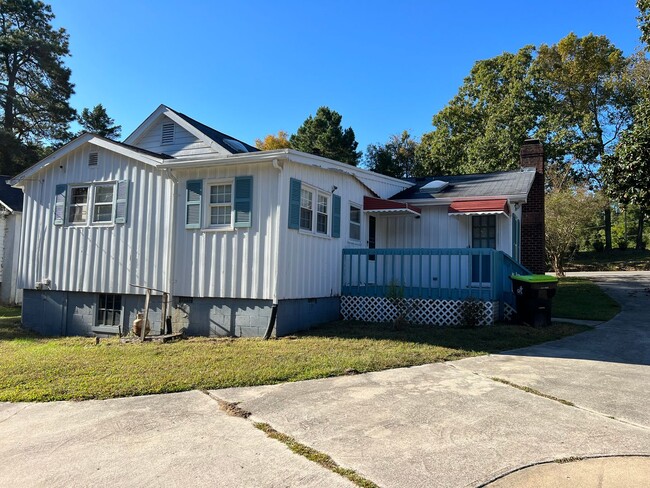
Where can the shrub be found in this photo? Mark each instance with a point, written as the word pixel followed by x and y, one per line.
pixel 471 312
pixel 598 245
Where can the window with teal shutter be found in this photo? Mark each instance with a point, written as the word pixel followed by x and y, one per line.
pixel 243 201
pixel 194 189
pixel 122 202
pixel 336 216
pixel 294 203
pixel 59 204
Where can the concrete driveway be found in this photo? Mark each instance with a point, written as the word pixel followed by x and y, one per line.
pixel 455 424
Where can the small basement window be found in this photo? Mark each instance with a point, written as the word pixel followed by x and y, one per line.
pixel 168 133
pixel 109 310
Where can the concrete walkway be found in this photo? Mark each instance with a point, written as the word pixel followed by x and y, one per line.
pixel 455 424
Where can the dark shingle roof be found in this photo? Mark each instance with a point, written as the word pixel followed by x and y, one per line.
pixel 11 197
pixel 218 137
pixel 502 183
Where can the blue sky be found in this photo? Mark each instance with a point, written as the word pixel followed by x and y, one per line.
pixel 249 68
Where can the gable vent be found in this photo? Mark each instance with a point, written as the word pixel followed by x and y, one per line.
pixel 168 133
pixel 93 159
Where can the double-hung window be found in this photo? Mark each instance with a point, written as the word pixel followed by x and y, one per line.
pixel 78 207
pixel 103 203
pixel 98 203
pixel 315 211
pixel 355 223
pixel 306 209
pixel 220 204
pixel 322 214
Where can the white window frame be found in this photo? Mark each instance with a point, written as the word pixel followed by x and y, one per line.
pixel 315 194
pixel 90 204
pixel 209 205
pixel 359 224
pixel 103 204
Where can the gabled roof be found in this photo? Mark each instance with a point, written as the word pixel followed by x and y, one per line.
pixel 197 129
pixel 218 137
pixel 143 155
pixel 12 198
pixel 499 184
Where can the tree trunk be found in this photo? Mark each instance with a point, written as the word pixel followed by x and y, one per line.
pixel 639 234
pixel 608 228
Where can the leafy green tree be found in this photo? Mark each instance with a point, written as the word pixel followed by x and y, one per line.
pixel 591 101
pixel 626 173
pixel 644 21
pixel 396 158
pixel 323 135
pixel 34 82
pixel 568 213
pixel 483 126
pixel 271 141
pixel 98 122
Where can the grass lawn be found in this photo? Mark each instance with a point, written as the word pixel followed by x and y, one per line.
pixel 43 369
pixel 579 298
pixel 614 260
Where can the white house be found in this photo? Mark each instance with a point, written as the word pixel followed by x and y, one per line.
pixel 11 211
pixel 243 239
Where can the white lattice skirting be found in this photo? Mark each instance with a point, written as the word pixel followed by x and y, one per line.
pixel 429 312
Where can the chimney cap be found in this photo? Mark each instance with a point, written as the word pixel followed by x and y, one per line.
pixel 530 142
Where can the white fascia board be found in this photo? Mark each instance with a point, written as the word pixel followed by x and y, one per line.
pixel 77 143
pixel 9 210
pixel 142 128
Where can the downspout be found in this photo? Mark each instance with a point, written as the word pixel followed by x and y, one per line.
pixel 276 252
pixel 172 247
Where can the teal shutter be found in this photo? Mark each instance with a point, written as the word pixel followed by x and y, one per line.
pixel 194 190
pixel 122 202
pixel 294 203
pixel 336 216
pixel 243 201
pixel 59 204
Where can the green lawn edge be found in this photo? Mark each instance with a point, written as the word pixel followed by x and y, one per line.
pixel 580 298
pixel 76 368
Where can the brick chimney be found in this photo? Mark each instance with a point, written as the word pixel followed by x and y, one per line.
pixel 532 212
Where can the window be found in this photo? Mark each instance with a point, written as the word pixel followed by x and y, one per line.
pixel 306 207
pixel 103 203
pixel 109 311
pixel 220 205
pixel 355 223
pixel 78 208
pixel 314 211
pixel 321 215
pixel 96 203
pixel 484 231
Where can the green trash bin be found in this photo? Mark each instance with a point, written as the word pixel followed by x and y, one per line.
pixel 534 294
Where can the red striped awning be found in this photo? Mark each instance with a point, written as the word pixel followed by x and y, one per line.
pixel 389 207
pixel 479 207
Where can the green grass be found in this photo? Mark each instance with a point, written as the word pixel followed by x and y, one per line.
pixel 75 368
pixel 614 260
pixel 579 298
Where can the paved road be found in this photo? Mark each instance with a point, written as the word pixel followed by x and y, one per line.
pixel 447 424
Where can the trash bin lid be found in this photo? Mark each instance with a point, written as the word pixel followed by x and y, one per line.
pixel 534 278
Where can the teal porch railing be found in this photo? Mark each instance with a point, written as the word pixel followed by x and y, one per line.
pixel 448 274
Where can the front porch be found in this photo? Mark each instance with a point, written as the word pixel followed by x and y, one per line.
pixel 435 282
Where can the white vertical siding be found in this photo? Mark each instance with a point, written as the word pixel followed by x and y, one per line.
pixel 310 265
pixel 185 143
pixel 237 263
pixel 436 229
pixel 92 258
